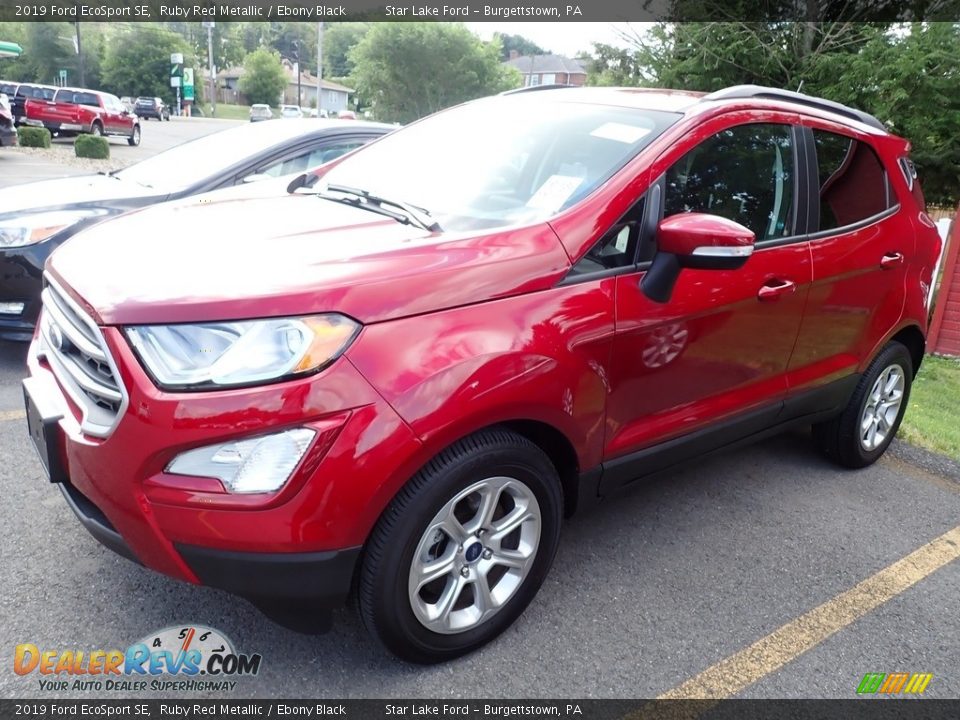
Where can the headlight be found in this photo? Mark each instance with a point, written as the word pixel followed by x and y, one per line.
pixel 213 355
pixel 31 229
pixel 255 465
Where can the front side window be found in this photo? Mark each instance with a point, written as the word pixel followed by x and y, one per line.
pixel 745 174
pixel 502 161
pixel 852 181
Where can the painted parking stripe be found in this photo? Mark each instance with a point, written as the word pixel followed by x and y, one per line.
pixel 742 669
pixel 12 415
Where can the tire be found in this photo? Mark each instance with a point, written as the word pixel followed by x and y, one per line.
pixel 860 434
pixel 522 483
pixel 96 130
pixel 134 139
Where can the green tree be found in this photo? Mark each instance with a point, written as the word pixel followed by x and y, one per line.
pixel 409 70
pixel 908 78
pixel 263 78
pixel 338 40
pixel 15 69
pixel 48 48
pixel 524 46
pixel 137 61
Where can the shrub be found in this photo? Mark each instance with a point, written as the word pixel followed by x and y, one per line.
pixel 91 146
pixel 33 137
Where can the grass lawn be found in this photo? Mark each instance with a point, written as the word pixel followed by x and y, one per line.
pixel 933 416
pixel 229 112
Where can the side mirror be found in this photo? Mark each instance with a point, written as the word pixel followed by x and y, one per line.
pixel 256 177
pixel 697 241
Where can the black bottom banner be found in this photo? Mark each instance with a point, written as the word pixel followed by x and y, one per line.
pixel 855 709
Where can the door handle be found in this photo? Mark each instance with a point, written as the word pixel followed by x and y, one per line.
pixel 774 289
pixel 891 260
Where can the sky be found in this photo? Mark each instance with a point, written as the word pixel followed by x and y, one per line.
pixel 563 38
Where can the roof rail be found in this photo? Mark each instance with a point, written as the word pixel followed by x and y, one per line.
pixel 767 93
pixel 535 88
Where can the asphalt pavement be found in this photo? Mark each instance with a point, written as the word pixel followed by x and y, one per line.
pixel 646 593
pixel 17 167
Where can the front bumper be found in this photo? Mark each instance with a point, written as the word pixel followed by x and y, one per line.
pixel 21 273
pixel 293 550
pixel 8 136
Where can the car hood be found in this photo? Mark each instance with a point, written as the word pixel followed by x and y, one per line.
pixel 70 192
pixel 293 254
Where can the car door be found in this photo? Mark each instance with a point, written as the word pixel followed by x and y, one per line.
pixel 859 259
pixel 709 365
pixel 116 121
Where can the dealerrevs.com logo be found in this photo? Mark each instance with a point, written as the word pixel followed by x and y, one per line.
pixel 181 658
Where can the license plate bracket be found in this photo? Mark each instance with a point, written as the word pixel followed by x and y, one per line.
pixel 43 423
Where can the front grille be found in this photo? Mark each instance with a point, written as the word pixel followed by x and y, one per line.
pixel 74 347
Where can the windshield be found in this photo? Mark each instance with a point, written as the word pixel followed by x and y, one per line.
pixel 502 161
pixel 184 166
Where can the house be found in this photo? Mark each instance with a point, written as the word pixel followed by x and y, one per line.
pixel 548 69
pixel 334 96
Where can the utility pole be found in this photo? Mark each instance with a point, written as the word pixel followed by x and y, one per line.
pixel 213 71
pixel 296 44
pixel 319 64
pixel 83 81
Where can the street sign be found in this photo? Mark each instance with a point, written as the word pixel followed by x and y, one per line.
pixel 176 58
pixel 188 84
pixel 174 82
pixel 63 76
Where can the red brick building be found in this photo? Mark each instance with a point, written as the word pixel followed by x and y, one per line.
pixel 548 69
pixel 945 326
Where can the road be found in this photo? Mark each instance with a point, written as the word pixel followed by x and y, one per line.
pixel 17 168
pixel 645 595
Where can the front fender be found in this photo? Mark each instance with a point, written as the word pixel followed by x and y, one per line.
pixel 542 356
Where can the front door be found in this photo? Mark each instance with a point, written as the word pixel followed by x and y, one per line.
pixel 717 352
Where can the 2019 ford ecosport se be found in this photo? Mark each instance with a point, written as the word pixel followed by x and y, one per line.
pixel 400 376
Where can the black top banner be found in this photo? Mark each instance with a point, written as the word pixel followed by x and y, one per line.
pixel 479 10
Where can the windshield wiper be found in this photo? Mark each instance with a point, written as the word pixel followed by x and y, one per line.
pixel 364 199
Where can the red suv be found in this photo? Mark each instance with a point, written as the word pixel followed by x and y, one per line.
pixel 402 375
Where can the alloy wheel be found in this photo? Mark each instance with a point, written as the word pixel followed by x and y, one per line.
pixel 474 555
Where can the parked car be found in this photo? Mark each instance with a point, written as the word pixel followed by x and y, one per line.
pixel 260 112
pixel 37 217
pixel 407 371
pixel 29 91
pixel 152 107
pixel 72 111
pixel 290 111
pixel 128 103
pixel 8 133
pixel 9 89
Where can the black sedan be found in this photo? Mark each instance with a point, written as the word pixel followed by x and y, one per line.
pixel 36 218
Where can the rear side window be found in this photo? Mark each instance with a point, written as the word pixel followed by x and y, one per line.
pixel 745 174
pixel 853 183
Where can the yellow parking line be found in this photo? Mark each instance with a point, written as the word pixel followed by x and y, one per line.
pixel 12 415
pixel 733 674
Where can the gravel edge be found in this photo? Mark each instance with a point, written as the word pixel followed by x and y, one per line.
pixel 63 154
pixel 926 459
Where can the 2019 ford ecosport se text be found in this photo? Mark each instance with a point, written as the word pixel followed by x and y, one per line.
pixel 400 376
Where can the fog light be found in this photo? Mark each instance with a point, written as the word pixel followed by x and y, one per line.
pixel 11 308
pixel 254 465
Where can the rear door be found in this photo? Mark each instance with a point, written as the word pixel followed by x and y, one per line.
pixel 717 352
pixel 859 254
